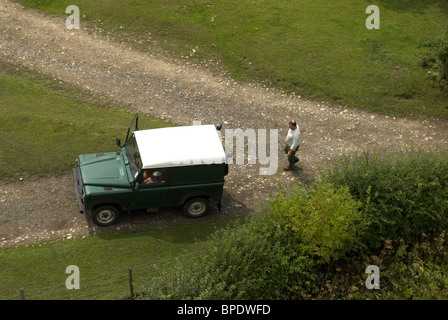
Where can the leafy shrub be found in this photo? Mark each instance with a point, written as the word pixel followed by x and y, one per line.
pixel 325 220
pixel 407 271
pixel 402 195
pixel 305 243
pixel 416 271
pixel 438 60
pixel 252 260
pixel 275 254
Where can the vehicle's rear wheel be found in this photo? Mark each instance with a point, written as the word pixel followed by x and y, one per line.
pixel 196 207
pixel 105 215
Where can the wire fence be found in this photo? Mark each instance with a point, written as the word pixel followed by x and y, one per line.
pixel 115 285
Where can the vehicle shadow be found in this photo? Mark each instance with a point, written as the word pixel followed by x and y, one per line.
pixel 170 224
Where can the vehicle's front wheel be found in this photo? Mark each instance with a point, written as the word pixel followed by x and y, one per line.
pixel 105 215
pixel 196 207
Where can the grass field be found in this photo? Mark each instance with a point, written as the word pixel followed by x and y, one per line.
pixel 318 49
pixel 103 261
pixel 46 124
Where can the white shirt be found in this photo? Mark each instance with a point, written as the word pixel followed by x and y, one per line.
pixel 293 138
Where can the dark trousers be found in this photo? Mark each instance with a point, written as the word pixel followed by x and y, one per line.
pixel 292 159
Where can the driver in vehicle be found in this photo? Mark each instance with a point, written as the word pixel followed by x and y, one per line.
pixel 151 176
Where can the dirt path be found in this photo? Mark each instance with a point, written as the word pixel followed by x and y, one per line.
pixel 46 208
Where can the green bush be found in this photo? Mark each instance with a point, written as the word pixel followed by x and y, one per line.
pixel 438 60
pixel 305 244
pixel 325 220
pixel 252 260
pixel 416 271
pixel 275 254
pixel 402 195
pixel 407 271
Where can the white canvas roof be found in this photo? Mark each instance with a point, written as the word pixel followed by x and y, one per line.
pixel 179 146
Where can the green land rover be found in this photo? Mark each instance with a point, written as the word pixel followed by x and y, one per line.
pixel 174 166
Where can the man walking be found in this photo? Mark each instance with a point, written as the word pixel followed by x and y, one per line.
pixel 292 144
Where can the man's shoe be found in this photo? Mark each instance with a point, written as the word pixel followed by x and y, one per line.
pixel 296 160
pixel 287 169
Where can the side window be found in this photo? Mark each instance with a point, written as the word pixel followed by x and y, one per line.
pixel 153 176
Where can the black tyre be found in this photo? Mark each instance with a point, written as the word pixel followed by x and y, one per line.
pixel 196 207
pixel 105 215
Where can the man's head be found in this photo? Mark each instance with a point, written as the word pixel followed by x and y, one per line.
pixel 292 124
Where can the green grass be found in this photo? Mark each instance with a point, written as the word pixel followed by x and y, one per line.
pixel 46 124
pixel 318 49
pixel 103 261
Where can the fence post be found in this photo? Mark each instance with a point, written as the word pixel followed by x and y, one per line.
pixel 22 294
pixel 131 287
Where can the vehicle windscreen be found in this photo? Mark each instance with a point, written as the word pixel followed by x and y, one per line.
pixel 133 154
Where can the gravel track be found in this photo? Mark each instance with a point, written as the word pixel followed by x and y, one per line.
pixel 181 92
